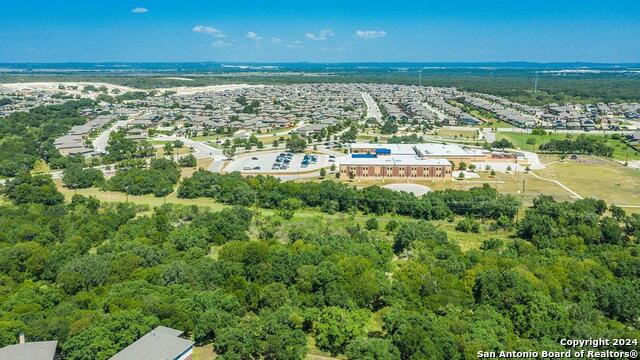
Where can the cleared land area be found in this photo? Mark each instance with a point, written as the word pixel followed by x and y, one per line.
pixel 599 178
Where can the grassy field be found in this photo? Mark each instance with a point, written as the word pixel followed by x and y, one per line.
pixel 268 140
pixel 588 176
pixel 469 241
pixel 204 352
pixel 456 134
pixel 214 137
pixel 520 140
pixel 504 183
pixel 599 178
pixel 149 200
pixel 496 124
pixel 200 163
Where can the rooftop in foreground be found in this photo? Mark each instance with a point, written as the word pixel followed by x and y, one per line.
pixel 161 343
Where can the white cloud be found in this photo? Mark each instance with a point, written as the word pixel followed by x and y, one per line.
pixel 209 30
pixel 253 36
pixel 321 36
pixel 275 40
pixel 296 45
pixel 221 44
pixel 139 10
pixel 370 34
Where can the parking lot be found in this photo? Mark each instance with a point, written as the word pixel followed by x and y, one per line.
pixel 264 163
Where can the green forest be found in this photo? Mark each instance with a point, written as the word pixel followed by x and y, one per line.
pixel 359 274
pixel 26 137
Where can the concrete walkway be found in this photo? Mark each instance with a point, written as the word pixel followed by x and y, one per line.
pixel 100 142
pixel 575 194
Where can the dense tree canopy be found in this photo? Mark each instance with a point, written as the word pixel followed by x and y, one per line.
pixel 581 145
pixel 158 179
pixel 261 285
pixel 331 196
pixel 74 176
pixel 28 136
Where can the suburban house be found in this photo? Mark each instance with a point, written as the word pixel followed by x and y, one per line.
pixel 310 130
pixel 161 343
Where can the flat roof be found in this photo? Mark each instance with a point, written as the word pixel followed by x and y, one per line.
pixel 446 150
pixel 425 149
pixel 395 160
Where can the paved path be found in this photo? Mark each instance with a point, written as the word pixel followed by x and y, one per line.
pixel 416 189
pixel 373 111
pixel 100 142
pixel 439 114
pixel 575 194
pixel 201 150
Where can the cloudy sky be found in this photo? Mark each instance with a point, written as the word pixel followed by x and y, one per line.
pixel 319 31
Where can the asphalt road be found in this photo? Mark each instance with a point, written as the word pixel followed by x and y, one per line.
pixel 200 149
pixel 373 111
pixel 100 142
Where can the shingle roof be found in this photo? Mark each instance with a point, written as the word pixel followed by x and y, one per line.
pixel 162 343
pixel 38 350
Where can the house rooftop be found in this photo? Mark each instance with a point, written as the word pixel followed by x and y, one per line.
pixel 161 343
pixel 37 350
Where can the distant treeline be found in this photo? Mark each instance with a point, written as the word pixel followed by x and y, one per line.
pixel 330 196
pixel 515 84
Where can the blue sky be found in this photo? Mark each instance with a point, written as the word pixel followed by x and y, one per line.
pixel 319 31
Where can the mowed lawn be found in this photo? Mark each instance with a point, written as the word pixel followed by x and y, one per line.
pixel 457 133
pixel 598 178
pixel 204 352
